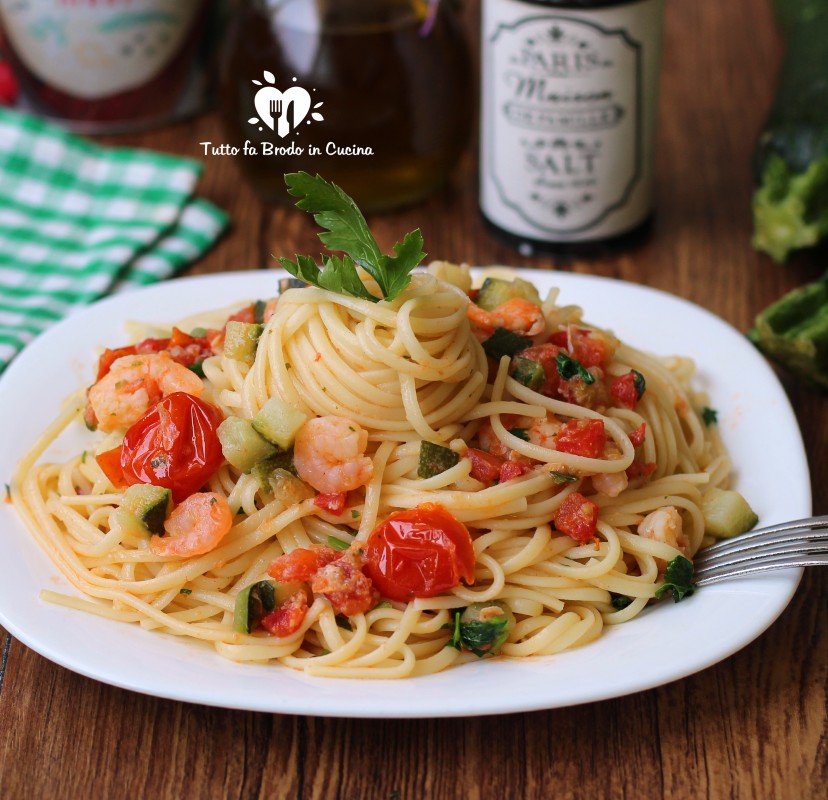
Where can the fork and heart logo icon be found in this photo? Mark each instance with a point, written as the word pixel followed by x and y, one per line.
pixel 283 111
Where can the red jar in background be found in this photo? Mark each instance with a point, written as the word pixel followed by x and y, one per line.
pixel 111 66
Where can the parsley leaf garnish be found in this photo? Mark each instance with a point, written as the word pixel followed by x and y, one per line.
pixel 521 433
pixel 709 416
pixel 678 577
pixel 347 232
pixel 455 639
pixel 620 601
pixel 569 368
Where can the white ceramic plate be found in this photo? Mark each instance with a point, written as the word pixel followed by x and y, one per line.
pixel 667 642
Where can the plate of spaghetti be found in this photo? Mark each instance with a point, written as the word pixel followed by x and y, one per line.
pixel 465 483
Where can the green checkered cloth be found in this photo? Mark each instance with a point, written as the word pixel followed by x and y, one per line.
pixel 78 221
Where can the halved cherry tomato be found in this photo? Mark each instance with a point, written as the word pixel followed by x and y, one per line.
pixel 174 445
pixel 110 463
pixel 582 437
pixel 577 517
pixel 419 552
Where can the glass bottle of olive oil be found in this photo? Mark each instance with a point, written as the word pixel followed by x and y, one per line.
pixel 568 113
pixel 375 95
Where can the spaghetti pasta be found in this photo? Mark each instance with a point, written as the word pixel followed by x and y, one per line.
pixel 575 492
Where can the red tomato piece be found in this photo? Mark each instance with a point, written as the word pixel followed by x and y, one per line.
pixel 332 502
pixel 349 590
pixel 637 436
pixel 288 618
pixel 302 564
pixel 577 517
pixel 174 444
pixel 512 469
pixel 544 354
pixel 110 463
pixel 623 391
pixel 419 552
pixel 108 356
pixel 587 395
pixel 591 348
pixel 641 469
pixel 485 466
pixel 246 314
pixel 582 437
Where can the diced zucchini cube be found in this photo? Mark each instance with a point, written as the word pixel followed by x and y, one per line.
pixel 241 445
pixel 726 513
pixel 241 340
pixel 149 504
pixel 279 422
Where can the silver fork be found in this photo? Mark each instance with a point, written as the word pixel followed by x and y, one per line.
pixel 801 543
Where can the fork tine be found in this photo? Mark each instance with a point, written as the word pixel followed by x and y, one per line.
pixel 762 543
pixel 807 524
pixel 710 575
pixel 792 548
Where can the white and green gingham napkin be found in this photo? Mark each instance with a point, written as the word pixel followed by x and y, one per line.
pixel 78 221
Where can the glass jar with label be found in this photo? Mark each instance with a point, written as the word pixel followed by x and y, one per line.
pixel 374 95
pixel 110 67
pixel 568 118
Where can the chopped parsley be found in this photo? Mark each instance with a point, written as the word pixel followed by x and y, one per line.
pixel 185 591
pixel 343 622
pixel 563 477
pixel 678 578
pixel 198 333
pixel 639 382
pixel 83 457
pixel 521 433
pixel 569 368
pixel 620 602
pixel 709 416
pixel 337 543
pixel 355 513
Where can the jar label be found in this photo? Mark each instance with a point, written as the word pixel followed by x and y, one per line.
pixel 93 50
pixel 566 109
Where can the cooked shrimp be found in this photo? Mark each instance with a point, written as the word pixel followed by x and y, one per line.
pixel 329 454
pixel 611 483
pixel 543 431
pixel 664 525
pixel 196 526
pixel 516 314
pixel 134 384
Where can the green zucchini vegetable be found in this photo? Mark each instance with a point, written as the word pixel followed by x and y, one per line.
pixel 793 331
pixel 434 459
pixel 790 203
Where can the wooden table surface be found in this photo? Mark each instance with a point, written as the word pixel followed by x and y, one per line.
pixel 753 726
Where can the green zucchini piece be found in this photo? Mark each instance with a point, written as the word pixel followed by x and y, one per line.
pixel 150 505
pixel 505 343
pixel 726 513
pixel 790 204
pixel 258 311
pixel 285 486
pixel 279 422
pixel 529 373
pixel 264 469
pixel 496 291
pixel 241 340
pixel 793 331
pixel 434 459
pixel 253 603
pixel 241 445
